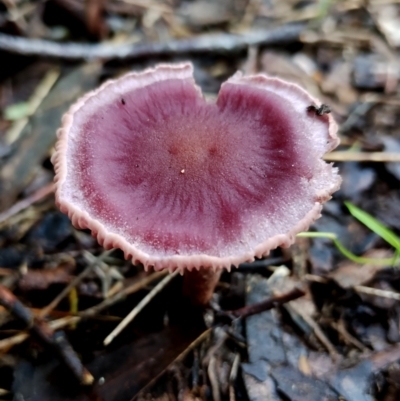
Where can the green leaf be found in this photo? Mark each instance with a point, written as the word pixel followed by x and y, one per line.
pixel 16 111
pixel 374 225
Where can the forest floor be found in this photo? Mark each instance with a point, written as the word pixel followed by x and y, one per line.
pixel 62 294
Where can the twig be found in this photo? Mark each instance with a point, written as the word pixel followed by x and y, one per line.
pixel 41 91
pixel 232 377
pixel 316 279
pixel 87 313
pixel 40 194
pixel 212 375
pixel 45 311
pixel 234 368
pixel 195 343
pixel 46 335
pixel 69 357
pixel 94 310
pixel 315 327
pixel 146 4
pixel 57 324
pixel 267 304
pixel 214 43
pixel 347 156
pixel 355 37
pixel 139 307
pixel 378 292
pixel 15 307
pixel 9 342
pixel 342 330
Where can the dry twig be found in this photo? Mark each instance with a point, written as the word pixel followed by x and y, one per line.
pixel 41 91
pixel 56 340
pixel 318 332
pixel 347 156
pixel 232 377
pixel 202 337
pixel 267 304
pixel 135 311
pixel 377 292
pixel 215 43
pixel 37 196
pixel 45 311
pixel 94 310
pixel 87 313
pixel 212 375
pixel 342 330
pixel 147 4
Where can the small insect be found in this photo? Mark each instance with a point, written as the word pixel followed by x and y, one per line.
pixel 123 101
pixel 321 110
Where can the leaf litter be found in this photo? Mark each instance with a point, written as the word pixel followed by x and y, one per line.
pixel 340 341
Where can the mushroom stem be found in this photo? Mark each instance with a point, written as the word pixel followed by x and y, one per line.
pixel 199 285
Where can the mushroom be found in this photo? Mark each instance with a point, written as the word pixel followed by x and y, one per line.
pixel 179 183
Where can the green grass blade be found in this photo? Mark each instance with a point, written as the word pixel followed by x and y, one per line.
pixel 374 225
pixel 347 253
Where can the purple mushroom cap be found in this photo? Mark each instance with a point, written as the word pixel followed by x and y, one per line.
pixel 178 182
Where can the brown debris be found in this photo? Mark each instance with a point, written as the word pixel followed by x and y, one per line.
pixel 40 329
pixel 43 278
pixel 349 274
pixel 94 18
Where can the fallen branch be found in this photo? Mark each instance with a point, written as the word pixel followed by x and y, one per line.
pixel 215 43
pixel 267 304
